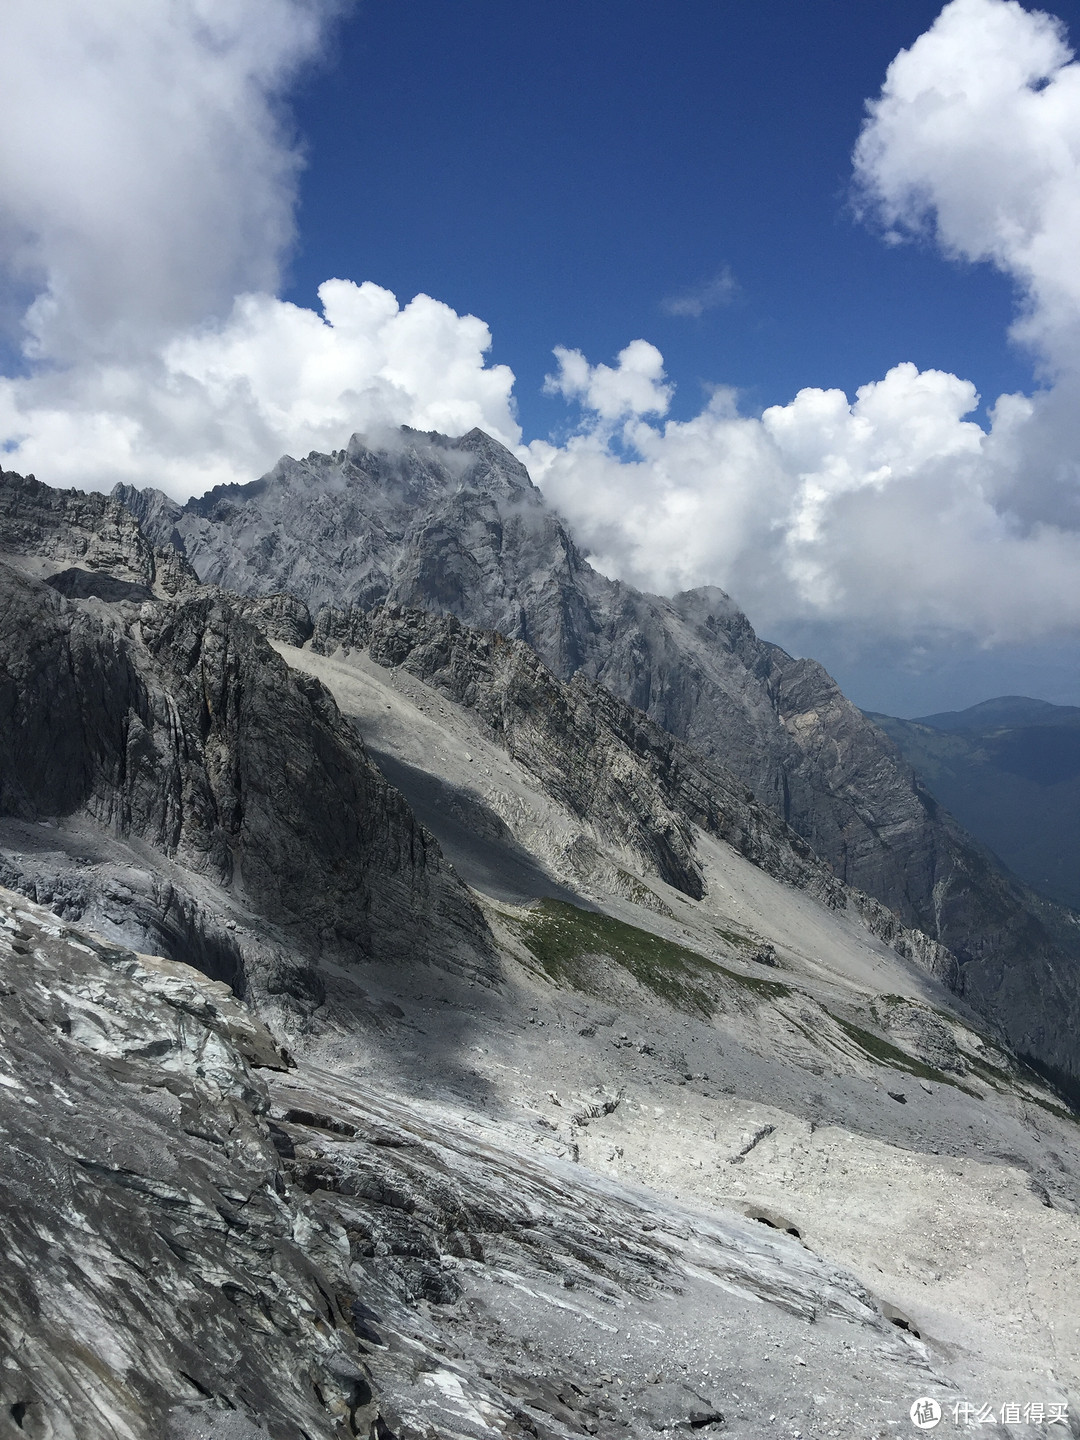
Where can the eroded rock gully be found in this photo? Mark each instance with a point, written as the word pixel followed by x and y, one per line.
pixel 172 723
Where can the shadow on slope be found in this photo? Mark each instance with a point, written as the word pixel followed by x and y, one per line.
pixel 476 841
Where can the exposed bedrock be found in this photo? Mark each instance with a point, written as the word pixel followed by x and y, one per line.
pixel 457 527
pixel 201 1244
pixel 174 722
pixel 155 1282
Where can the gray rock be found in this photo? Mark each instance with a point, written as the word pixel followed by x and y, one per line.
pixel 609 764
pixel 455 526
pixel 96 535
pixel 201 1243
pixel 151 1275
pixel 175 723
pixel 920 1031
pixel 412 1264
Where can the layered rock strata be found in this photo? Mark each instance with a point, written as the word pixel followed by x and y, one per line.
pixel 457 527
pixel 606 762
pixel 173 723
pixel 192 1255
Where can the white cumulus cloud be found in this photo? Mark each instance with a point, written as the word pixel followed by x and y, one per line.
pixel 148 181
pixel 890 514
pixel 220 403
pixel 146 177
pixel 634 386
pixel 975 139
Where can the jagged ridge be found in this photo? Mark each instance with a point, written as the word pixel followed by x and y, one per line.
pixel 173 721
pixel 456 527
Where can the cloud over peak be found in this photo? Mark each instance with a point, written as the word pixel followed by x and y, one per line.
pixel 149 181
pixel 148 176
pixel 220 402
pixel 893 514
pixel 146 172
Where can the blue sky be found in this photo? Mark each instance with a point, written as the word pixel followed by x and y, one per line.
pixel 561 169
pixel 781 297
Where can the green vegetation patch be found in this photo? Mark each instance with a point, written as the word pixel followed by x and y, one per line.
pixel 1004 1081
pixel 993 1074
pixel 1046 1105
pixel 885 1053
pixel 563 938
pixel 1014 1085
pixel 1057 1081
pixel 733 937
pixel 634 889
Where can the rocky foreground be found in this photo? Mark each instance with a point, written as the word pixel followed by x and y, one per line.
pixel 203 1239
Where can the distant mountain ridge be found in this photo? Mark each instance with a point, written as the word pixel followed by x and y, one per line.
pixel 1009 770
pixel 456 527
pixel 1004 710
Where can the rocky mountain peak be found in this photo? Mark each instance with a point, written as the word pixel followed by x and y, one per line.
pixel 395 470
pixel 455 527
pixel 398 517
pixel 96 532
pixel 85 544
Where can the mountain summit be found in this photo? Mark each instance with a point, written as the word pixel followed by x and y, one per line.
pixel 456 527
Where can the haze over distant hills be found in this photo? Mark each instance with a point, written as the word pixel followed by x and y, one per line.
pixel 1009 770
pixel 1006 710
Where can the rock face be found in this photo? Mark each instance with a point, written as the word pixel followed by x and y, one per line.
pixel 606 762
pixel 456 527
pixel 190 1255
pixel 421 1228
pixel 96 535
pixel 174 723
pixel 153 1285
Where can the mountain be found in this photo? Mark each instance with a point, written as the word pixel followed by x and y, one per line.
pixel 456 527
pixel 562 1088
pixel 1007 711
pixel 149 705
pixel 1009 770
